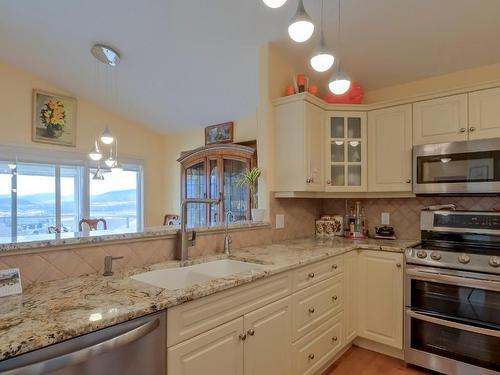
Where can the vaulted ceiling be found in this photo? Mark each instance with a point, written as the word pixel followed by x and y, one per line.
pixel 192 63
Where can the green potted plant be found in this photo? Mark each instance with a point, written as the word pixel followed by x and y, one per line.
pixel 250 178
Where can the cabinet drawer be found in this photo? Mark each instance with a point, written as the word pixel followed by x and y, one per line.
pixel 314 273
pixel 316 304
pixel 218 351
pixel 317 348
pixel 195 317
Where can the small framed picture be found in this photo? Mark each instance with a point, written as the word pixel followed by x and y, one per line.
pixel 220 133
pixel 10 282
pixel 54 119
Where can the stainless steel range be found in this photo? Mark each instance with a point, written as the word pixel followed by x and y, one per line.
pixel 452 299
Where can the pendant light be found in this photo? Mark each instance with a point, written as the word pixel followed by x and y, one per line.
pixel 98 174
pixel 340 82
pixel 95 154
pixel 301 27
pixel 274 3
pixel 322 59
pixel 106 137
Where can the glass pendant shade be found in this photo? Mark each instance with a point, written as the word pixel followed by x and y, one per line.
pixel 98 175
pixel 301 27
pixel 339 83
pixel 95 154
pixel 106 137
pixel 110 162
pixel 322 59
pixel 274 3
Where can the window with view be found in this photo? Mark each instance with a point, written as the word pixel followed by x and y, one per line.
pixel 38 198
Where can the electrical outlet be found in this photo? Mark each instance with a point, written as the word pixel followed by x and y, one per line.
pixel 385 218
pixel 280 221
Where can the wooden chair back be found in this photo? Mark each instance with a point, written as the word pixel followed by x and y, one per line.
pixel 92 224
pixel 171 219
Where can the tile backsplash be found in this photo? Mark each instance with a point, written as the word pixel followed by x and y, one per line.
pixel 405 212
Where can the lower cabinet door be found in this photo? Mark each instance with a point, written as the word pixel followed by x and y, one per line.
pixel 351 279
pixel 268 340
pixel 218 351
pixel 381 297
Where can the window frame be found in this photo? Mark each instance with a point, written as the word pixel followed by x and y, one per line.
pixel 19 155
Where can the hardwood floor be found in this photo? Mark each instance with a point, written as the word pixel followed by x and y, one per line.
pixel 357 361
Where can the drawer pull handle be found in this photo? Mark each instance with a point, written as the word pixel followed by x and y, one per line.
pixel 334 267
pixel 398 265
pixel 462 130
pixel 472 128
pixel 311 275
pixel 242 336
pixel 334 298
pixel 335 338
pixel 311 310
pixel 311 356
pixel 251 332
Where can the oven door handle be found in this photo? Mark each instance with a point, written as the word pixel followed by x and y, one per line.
pixel 451 324
pixel 453 280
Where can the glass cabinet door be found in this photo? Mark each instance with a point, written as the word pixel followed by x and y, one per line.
pixel 346 151
pixel 235 196
pixel 196 187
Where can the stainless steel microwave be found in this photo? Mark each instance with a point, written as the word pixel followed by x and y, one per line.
pixel 466 167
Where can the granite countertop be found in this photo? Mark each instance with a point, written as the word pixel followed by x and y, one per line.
pixel 46 241
pixel 54 311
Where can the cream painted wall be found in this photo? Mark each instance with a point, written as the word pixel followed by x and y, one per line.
pixel 274 75
pixel 135 141
pixel 457 80
pixel 244 130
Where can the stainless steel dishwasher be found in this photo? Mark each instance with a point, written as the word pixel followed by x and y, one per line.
pixel 134 347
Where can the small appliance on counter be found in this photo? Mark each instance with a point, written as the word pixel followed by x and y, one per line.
pixel 385 232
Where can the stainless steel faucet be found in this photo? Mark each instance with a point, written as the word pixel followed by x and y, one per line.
pixel 108 265
pixel 185 242
pixel 227 238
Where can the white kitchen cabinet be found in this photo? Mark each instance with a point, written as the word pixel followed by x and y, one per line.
pixel 299 147
pixel 268 346
pixel 389 149
pixel 484 114
pixel 351 286
pixel 381 297
pixel 218 351
pixel 440 120
pixel 346 157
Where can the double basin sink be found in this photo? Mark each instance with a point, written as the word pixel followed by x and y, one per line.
pixel 185 277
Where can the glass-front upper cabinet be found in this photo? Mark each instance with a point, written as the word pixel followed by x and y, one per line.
pixel 346 152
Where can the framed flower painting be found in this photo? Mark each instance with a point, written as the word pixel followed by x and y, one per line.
pixel 54 119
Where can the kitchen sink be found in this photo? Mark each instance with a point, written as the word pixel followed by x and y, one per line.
pixel 185 277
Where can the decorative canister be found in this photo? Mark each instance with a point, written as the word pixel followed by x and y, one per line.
pixel 329 228
pixel 339 225
pixel 320 228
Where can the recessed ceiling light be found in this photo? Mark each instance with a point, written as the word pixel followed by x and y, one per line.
pixel 105 54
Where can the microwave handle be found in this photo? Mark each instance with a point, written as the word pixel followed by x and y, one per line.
pixel 453 280
pixel 451 324
pixel 66 360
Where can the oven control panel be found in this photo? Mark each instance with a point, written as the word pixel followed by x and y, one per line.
pixel 452 259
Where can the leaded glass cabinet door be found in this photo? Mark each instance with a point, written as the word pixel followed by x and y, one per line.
pixel 236 197
pixel 195 186
pixel 346 136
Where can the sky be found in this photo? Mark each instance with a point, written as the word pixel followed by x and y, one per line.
pixel 28 185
